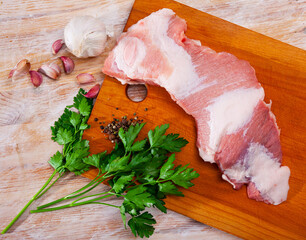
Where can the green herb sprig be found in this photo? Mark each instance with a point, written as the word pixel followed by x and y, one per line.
pixel 67 131
pixel 141 173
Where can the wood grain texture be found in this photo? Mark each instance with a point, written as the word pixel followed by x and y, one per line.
pixel 280 68
pixel 28 29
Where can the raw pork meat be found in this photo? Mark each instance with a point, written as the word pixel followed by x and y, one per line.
pixel 236 129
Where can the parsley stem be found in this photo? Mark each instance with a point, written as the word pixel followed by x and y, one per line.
pixel 96 181
pixel 59 176
pixel 30 202
pixel 86 186
pixel 72 205
pixel 80 194
pixel 107 204
pixel 93 195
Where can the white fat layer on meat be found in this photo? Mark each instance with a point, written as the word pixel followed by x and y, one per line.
pixel 183 80
pixel 224 177
pixel 197 42
pixel 229 113
pixel 259 166
pixel 130 52
pixel 207 156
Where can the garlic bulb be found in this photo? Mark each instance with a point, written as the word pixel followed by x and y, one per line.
pixel 85 36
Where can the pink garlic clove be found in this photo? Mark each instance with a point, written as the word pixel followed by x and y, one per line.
pixel 56 68
pixel 52 70
pixel 57 45
pixel 93 92
pixel 36 78
pixel 68 64
pixel 21 68
pixel 85 78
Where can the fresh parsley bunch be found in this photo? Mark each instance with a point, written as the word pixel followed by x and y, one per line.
pixel 68 132
pixel 142 173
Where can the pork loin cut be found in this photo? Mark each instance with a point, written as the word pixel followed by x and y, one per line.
pixel 236 129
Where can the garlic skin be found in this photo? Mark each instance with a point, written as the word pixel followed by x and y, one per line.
pixel 85 36
pixel 93 92
pixel 84 78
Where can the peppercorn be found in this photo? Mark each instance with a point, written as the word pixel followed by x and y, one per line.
pixel 113 127
pixel 112 137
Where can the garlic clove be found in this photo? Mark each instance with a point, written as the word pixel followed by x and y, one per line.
pixel 57 45
pixel 85 78
pixel 21 68
pixel 52 71
pixel 93 92
pixel 36 78
pixel 55 67
pixel 68 64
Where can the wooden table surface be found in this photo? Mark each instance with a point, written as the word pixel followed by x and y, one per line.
pixel 28 29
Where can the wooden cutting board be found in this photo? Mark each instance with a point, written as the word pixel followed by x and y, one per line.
pixel 281 69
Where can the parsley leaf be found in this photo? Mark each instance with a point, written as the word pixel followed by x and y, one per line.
pixel 169 188
pixel 142 225
pixel 140 197
pixel 63 122
pixel 156 137
pixel 81 144
pixel 153 167
pixel 69 120
pixel 74 162
pixel 84 107
pixel 130 207
pixel 160 205
pixel 138 146
pixel 172 143
pixel 122 182
pixel 95 159
pixel 166 170
pixel 118 164
pixel 56 161
pixel 154 190
pixel 115 154
pixel 130 135
pixel 63 136
pixel 140 160
pixel 84 126
pixel 184 177
pixel 79 98
pixel 75 119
